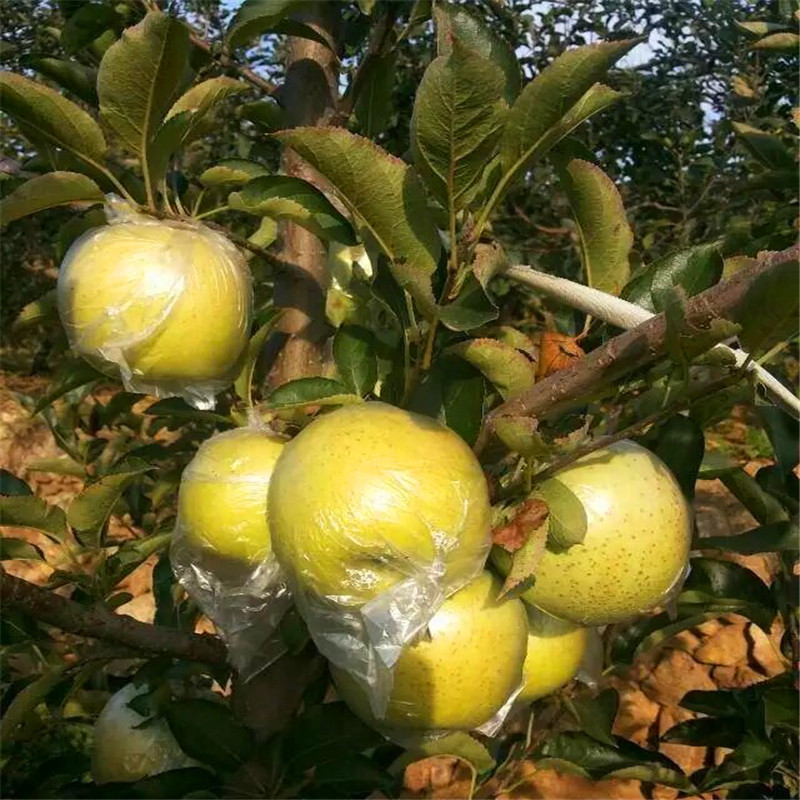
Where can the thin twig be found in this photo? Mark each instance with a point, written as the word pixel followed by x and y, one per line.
pixel 226 61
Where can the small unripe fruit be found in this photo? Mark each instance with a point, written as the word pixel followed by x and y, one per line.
pixel 463 674
pixel 369 495
pixel 167 304
pixel 222 502
pixel 124 753
pixel 637 541
pixel 555 652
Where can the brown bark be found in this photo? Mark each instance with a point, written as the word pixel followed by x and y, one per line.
pixel 637 347
pixel 308 96
pixel 100 623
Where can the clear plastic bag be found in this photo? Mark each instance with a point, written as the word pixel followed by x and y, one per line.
pixel 164 304
pixel 221 551
pixel 377 515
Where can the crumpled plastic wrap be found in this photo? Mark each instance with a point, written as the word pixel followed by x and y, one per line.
pixel 464 673
pixel 221 551
pixel 123 752
pixel 377 515
pixel 164 304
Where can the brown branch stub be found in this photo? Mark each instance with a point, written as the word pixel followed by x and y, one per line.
pixel 99 623
pixel 637 347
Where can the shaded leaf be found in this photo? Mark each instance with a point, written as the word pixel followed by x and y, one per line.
pixel 651 632
pixel 456 24
pixel 284 197
pixel 596 715
pixel 185 782
pixel 456 123
pixel 784 435
pixel 568 522
pixel 206 730
pixel 178 408
pixel 471 309
pixel 37 311
pixel 765 508
pixel 384 194
pixel 266 114
pixel 48 191
pixel 707 732
pixel 349 776
pixel 310 391
pixel 502 365
pixel 606 238
pixel 556 101
pixel 778 537
pixel 48 118
pixel 33 512
pixel 694 269
pixel 257 17
pixel 765 147
pixel 778 290
pixel 680 444
pixel 72 75
pixel 11 548
pixel 356 360
pixel 139 77
pixel 243 385
pixel 89 22
pixel 373 106
pixel 70 374
pixel 12 486
pixel 232 172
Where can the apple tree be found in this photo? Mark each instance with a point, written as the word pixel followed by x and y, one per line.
pixel 254 146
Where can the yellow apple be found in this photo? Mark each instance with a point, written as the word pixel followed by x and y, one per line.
pixel 555 651
pixel 463 673
pixel 637 541
pixel 368 495
pixel 222 502
pixel 124 753
pixel 168 303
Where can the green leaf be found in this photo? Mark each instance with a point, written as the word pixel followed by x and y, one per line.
pixel 356 360
pixel 48 191
pixel 694 269
pixel 71 75
pixel 765 147
pixel 596 715
pixel 784 436
pixel 49 119
pixel 679 443
pixel 556 101
pixel 206 730
pixel 765 508
pixel 578 752
pixel 69 375
pixel 778 291
pixel 133 553
pixel 471 309
pixel 322 734
pixel 310 391
pixel 231 172
pixel 778 42
pixel 740 765
pixel 184 782
pixel 373 106
pixel 520 435
pixel 505 367
pixel 284 197
pixel 646 634
pixel 605 236
pixel 139 77
pixel 707 732
pixel 11 548
pixel 178 408
pixel 456 24
pixel 88 23
pixel 189 118
pixel 33 512
pixel 463 746
pixel 89 511
pixel 384 193
pixel 256 17
pixel 759 28
pixel 243 385
pixel 12 486
pixel 779 537
pixel 456 123
pixel 726 588
pixel 37 311
pixel 567 522
pixel 266 114
pixel 349 776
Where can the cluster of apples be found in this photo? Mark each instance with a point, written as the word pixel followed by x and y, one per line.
pixel 369 496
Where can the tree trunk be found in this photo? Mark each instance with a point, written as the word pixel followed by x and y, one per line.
pixel 309 97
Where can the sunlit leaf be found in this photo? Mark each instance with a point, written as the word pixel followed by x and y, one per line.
pixel 48 191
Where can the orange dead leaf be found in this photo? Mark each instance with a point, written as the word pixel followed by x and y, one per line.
pixel 513 535
pixel 557 351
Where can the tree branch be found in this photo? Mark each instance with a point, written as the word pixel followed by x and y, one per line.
pixel 637 347
pixel 223 60
pixel 100 623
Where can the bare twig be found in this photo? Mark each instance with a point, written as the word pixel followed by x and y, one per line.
pixel 98 622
